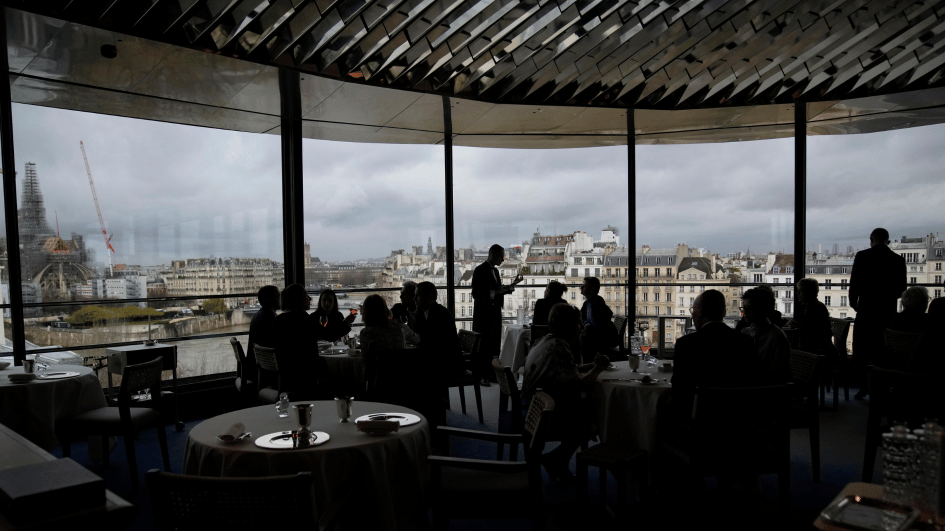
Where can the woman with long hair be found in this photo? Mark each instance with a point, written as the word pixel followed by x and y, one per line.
pixel 380 333
pixel 328 319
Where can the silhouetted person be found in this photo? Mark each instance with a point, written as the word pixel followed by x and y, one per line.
pixel 937 308
pixel 436 327
pixel 332 325
pixel 812 321
pixel 380 333
pixel 554 294
pixel 303 371
pixel 714 355
pixel 877 280
pixel 600 333
pixel 405 311
pixel 912 318
pixel 776 318
pixel 489 297
pixel 772 346
pixel 260 327
pixel 550 367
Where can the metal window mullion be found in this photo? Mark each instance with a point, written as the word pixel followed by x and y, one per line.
pixel 293 220
pixel 448 178
pixel 631 216
pixel 800 192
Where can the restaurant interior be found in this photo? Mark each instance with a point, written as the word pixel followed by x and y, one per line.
pixel 450 81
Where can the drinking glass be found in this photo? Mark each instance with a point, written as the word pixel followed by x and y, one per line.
pixel 634 362
pixel 646 358
pixel 323 320
pixel 282 406
pixel 343 405
pixel 29 366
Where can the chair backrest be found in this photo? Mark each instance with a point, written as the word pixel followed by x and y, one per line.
pixel 620 322
pixel 508 385
pixel 266 358
pixel 806 367
pixel 903 344
pixel 904 396
pixel 537 422
pixel 469 342
pixel 238 351
pixel 840 330
pixel 141 376
pixel 193 502
pixel 735 409
pixel 538 332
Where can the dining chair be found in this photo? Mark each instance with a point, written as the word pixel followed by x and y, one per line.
pixel 473 488
pixel 901 347
pixel 181 502
pixel 897 396
pixel 244 386
pixel 736 431
pixel 403 379
pixel 123 420
pixel 620 460
pixel 840 332
pixel 511 410
pixel 469 344
pixel 619 353
pixel 537 332
pixel 806 374
pixel 267 362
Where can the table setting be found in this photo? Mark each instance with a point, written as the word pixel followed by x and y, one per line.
pixel 627 399
pixel 515 345
pixel 362 452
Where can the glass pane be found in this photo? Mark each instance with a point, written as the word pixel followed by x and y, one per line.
pixel 559 214
pixel 143 210
pixel 374 217
pixel 711 216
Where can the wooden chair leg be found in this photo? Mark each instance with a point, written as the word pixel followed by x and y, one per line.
pixel 162 440
pixel 462 398
pixel 478 393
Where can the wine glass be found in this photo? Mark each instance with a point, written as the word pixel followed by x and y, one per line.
pixel 646 358
pixel 323 320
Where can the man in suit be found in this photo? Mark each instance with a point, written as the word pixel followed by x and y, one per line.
pixel 554 294
pixel 876 282
pixel 436 327
pixel 406 309
pixel 600 333
pixel 714 353
pixel 488 298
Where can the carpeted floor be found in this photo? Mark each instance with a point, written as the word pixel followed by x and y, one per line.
pixel 749 507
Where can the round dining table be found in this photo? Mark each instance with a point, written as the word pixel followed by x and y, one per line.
pixel 515 346
pixel 627 408
pixel 361 481
pixel 33 408
pixel 343 367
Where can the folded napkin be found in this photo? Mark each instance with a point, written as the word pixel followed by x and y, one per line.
pixel 232 432
pixel 378 425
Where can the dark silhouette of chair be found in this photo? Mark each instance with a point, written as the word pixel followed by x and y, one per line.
pixel 901 346
pixel 267 362
pixel 403 379
pixel 737 431
pixel 469 344
pixel 807 373
pixel 840 331
pixel 471 488
pixel 511 411
pixel 123 420
pixel 619 353
pixel 191 502
pixel 619 461
pixel 897 396
pixel 537 332
pixel 244 386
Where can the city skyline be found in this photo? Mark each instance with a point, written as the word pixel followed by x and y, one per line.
pixel 364 200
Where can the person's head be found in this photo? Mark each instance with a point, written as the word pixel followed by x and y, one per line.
pixel 374 311
pixel 426 295
pixel 807 289
pixel 268 297
pixel 328 301
pixel 915 298
pixel 879 236
pixel 408 294
pixel 555 290
pixel 294 297
pixel 564 321
pixel 708 306
pixel 496 255
pixel 590 287
pixel 757 304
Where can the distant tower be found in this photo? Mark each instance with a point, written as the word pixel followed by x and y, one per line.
pixel 32 213
pixel 836 249
pixel 429 245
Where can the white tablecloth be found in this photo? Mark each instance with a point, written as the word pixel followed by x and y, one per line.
pixel 344 368
pixel 361 481
pixel 32 409
pixel 515 346
pixel 627 409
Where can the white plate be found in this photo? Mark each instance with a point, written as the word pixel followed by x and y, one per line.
pixel 57 375
pixel 405 419
pixel 282 440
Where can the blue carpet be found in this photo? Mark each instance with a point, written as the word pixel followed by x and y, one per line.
pixel 842 443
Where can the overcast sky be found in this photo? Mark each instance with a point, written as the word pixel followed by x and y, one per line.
pixel 175 192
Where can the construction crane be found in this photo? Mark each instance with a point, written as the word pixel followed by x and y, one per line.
pixel 98 209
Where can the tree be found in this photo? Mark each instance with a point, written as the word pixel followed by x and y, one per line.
pixel 101 315
pixel 214 306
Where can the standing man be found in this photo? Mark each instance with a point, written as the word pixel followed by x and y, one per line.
pixel 489 297
pixel 877 280
pixel 600 333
